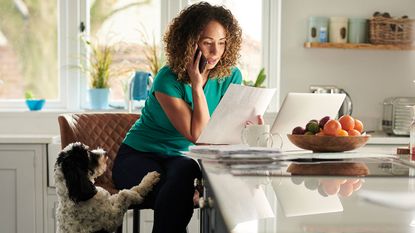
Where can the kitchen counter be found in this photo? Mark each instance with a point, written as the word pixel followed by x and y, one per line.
pixel 27 138
pixel 382 138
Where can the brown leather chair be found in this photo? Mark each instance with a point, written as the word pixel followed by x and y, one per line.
pixel 104 130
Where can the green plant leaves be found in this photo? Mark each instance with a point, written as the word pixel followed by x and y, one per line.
pixel 259 80
pixel 28 95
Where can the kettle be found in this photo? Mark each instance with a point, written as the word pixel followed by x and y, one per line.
pixel 138 88
pixel 347 106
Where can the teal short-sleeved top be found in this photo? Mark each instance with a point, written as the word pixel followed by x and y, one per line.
pixel 154 132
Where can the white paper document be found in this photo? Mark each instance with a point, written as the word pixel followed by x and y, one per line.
pixel 238 105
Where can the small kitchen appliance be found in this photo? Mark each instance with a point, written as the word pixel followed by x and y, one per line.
pixel 397 115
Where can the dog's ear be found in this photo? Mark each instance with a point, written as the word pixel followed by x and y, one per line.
pixel 74 164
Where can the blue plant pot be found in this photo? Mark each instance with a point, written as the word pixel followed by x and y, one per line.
pixel 98 98
pixel 35 104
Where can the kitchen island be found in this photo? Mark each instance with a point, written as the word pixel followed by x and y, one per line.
pixel 289 201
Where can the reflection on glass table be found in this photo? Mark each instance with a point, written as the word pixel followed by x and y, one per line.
pixel 330 186
pixel 329 169
pixel 345 167
pixel 298 200
pixel 304 194
pixel 329 200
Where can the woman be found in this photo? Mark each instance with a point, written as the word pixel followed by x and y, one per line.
pixel 179 106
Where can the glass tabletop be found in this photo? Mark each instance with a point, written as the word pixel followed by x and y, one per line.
pixel 361 195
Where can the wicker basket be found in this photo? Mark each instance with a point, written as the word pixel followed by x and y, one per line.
pixel 391 31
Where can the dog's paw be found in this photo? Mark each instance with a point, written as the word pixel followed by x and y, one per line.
pixel 151 178
pixel 147 183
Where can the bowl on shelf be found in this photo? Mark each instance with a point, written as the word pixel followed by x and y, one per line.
pixel 328 143
pixel 35 104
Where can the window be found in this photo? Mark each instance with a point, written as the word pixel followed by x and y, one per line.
pixel 249 15
pixel 39 41
pixel 28 49
pixel 131 28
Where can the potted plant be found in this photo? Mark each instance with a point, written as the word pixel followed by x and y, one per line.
pixel 154 58
pixel 99 71
pixel 259 80
pixel 100 68
pixel 34 104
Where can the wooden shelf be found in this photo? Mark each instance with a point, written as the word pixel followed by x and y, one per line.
pixel 358 46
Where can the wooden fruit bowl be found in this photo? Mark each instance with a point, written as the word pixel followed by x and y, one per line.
pixel 328 143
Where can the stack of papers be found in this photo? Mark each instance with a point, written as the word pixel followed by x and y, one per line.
pixel 241 151
pixel 260 169
pixel 238 151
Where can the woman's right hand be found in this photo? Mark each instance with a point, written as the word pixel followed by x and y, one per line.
pixel 189 122
pixel 195 76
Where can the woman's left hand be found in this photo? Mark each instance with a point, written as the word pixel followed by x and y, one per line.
pixel 260 120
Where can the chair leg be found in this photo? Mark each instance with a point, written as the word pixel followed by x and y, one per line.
pixel 119 229
pixel 136 220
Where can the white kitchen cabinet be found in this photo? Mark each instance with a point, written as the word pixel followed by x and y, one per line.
pixel 21 196
pixel 50 218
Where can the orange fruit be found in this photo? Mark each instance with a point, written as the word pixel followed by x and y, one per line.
pixel 357 185
pixel 321 133
pixel 358 125
pixel 332 127
pixel 331 186
pixel 347 122
pixel 343 133
pixel 353 132
pixel 346 189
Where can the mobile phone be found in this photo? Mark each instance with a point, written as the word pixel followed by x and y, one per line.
pixel 202 62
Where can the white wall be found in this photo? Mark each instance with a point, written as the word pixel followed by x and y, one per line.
pixel 369 76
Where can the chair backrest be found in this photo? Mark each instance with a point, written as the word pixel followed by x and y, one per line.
pixel 104 130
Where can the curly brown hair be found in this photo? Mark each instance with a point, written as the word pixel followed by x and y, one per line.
pixel 184 31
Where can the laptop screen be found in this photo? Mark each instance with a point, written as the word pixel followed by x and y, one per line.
pixel 298 109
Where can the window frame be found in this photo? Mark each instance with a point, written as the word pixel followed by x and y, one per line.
pixel 271 47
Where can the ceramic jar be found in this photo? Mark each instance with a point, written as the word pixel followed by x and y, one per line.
pixel 358 30
pixel 317 29
pixel 338 29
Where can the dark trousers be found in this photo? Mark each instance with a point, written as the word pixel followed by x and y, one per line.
pixel 172 198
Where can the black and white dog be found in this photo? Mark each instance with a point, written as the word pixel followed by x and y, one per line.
pixel 83 207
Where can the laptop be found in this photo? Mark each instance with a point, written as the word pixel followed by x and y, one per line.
pixel 298 109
